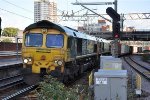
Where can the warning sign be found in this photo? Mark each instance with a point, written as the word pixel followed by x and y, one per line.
pixel 101 80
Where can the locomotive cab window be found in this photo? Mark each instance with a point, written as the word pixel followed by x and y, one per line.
pixel 54 40
pixel 33 40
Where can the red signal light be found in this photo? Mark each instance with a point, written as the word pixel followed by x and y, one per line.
pixel 116 30
pixel 116 35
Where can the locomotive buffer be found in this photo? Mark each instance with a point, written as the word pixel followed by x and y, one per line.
pixel 116 30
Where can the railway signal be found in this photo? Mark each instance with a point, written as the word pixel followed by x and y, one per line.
pixel 113 14
pixel 116 30
pixel 116 25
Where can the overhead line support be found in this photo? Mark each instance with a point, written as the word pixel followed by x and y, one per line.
pixel 95 3
pixel 97 13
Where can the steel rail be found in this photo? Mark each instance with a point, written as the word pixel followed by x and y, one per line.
pixel 20 92
pixel 10 84
pixel 140 65
pixel 136 69
pixel 10 77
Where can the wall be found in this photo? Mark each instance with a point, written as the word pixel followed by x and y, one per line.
pixel 5 46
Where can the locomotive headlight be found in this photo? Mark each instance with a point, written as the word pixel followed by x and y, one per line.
pixel 29 59
pixel 59 62
pixel 56 61
pixel 25 60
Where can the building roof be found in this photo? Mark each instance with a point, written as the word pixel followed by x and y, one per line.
pixel 101 21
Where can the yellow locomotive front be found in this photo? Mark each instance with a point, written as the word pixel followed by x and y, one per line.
pixel 43 51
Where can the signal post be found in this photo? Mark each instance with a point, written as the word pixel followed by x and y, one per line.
pixel 116 31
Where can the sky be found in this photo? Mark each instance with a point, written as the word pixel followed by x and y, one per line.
pixel 20 13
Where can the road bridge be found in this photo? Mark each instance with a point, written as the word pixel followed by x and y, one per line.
pixel 128 36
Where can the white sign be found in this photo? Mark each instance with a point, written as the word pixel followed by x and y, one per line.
pixel 101 80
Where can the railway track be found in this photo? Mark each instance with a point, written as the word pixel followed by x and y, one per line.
pixel 19 92
pixel 10 81
pixel 13 87
pixel 142 70
pixel 12 84
pixel 10 69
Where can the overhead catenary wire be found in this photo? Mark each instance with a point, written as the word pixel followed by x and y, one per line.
pixel 15 14
pixel 18 6
pixel 94 12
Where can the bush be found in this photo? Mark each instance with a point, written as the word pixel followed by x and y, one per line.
pixel 51 89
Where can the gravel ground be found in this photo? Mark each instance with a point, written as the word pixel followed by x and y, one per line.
pixel 145 83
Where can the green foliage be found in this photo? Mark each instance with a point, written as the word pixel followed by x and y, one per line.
pixel 10 32
pixel 51 89
pixel 7 40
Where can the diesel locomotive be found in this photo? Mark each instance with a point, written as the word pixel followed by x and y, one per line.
pixel 60 51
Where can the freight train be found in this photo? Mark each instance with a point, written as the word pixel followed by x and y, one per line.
pixel 60 51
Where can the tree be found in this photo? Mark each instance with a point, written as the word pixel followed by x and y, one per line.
pixel 10 32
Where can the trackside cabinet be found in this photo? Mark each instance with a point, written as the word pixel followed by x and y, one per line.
pixel 110 85
pixel 110 63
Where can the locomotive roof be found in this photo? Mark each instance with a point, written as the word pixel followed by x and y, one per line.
pixel 69 31
pixel 43 24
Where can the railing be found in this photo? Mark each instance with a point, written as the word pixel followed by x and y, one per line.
pixel 134 35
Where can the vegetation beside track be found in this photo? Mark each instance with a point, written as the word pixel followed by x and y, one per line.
pixel 52 89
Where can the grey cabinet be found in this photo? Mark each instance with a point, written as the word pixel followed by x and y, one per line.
pixel 110 85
